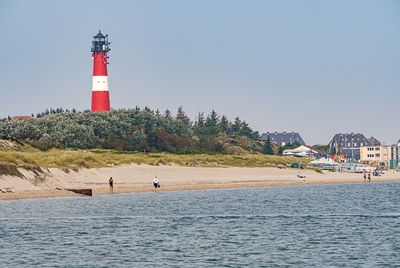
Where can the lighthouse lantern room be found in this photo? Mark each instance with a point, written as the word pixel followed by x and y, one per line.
pixel 100 93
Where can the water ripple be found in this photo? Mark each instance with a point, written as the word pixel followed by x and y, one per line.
pixel 310 226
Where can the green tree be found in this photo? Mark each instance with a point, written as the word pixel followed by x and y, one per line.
pixel 212 119
pixel 147 109
pixel 245 130
pixel 268 147
pixel 167 114
pixel 137 138
pixel 322 147
pixel 224 124
pixel 236 125
pixel 200 120
pixel 211 144
pixel 181 115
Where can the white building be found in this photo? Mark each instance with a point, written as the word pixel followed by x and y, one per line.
pixel 302 151
pixel 388 154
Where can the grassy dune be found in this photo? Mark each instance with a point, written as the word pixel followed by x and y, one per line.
pixel 25 156
pixel 101 158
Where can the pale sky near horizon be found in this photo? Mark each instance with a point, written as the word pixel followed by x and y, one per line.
pixel 313 67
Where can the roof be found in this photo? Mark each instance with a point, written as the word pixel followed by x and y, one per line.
pixel 283 137
pixel 373 142
pixel 20 117
pixel 322 161
pixel 352 140
pixel 99 35
pixel 301 148
pixel 300 151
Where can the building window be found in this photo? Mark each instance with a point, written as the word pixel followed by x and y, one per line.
pixel 378 155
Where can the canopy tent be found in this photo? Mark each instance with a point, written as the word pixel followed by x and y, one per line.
pixel 301 151
pixel 323 163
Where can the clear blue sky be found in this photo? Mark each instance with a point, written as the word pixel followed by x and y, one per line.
pixel 316 67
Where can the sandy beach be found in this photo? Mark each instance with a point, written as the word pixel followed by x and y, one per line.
pixel 138 178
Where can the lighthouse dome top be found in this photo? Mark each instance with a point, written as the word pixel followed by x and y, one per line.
pixel 99 35
pixel 100 43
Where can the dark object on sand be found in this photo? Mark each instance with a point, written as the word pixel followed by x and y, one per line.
pixel 87 192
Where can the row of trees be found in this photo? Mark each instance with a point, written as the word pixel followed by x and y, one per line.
pixel 126 129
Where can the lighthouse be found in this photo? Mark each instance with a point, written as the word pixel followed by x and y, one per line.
pixel 100 94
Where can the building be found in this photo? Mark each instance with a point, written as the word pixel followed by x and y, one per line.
pixel 303 151
pixel 375 154
pixel 387 154
pixel 100 91
pixel 349 145
pixel 21 117
pixel 283 138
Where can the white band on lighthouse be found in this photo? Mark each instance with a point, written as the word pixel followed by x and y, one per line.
pixel 100 83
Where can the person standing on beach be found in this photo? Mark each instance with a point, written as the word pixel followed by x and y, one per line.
pixel 369 177
pixel 111 183
pixel 156 184
pixel 365 176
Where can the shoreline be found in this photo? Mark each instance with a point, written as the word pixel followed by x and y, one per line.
pixel 42 194
pixel 138 178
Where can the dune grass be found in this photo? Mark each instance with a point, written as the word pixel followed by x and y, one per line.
pixel 76 159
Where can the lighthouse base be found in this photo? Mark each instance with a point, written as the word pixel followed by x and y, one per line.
pixel 100 101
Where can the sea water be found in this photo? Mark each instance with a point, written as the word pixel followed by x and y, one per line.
pixel 352 225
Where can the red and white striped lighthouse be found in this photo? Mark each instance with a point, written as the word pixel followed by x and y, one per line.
pixel 100 94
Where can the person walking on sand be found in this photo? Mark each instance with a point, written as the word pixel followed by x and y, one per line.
pixel 369 177
pixel 365 176
pixel 156 183
pixel 111 183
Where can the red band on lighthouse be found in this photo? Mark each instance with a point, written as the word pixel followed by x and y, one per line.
pixel 100 94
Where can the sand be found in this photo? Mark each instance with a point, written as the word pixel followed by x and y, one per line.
pixel 138 178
